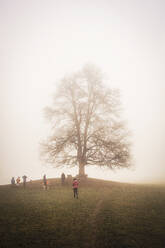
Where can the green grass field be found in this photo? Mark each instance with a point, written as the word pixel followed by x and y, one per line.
pixel 107 214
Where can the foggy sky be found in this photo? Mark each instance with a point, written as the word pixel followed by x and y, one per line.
pixel 43 40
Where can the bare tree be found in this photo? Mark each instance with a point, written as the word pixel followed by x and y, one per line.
pixel 86 124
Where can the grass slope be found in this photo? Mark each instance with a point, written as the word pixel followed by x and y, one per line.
pixel 107 214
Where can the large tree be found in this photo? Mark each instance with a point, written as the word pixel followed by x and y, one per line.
pixel 86 124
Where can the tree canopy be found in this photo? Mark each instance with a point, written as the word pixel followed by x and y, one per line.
pixel 86 124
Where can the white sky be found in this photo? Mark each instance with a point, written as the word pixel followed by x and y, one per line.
pixel 42 40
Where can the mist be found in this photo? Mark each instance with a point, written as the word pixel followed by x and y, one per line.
pixel 41 41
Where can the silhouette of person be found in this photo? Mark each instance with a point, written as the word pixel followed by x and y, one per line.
pixel 24 181
pixel 45 182
pixel 62 178
pixel 12 181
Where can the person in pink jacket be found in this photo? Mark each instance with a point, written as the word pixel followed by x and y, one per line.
pixel 75 188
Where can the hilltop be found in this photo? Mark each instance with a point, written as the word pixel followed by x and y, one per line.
pixel 107 214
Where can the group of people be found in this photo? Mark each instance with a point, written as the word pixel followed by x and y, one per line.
pixel 74 184
pixel 45 183
pixel 18 181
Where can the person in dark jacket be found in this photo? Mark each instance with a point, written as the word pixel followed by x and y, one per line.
pixel 24 181
pixel 62 178
pixel 45 182
pixel 12 181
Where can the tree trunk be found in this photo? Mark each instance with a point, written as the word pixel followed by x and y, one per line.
pixel 81 169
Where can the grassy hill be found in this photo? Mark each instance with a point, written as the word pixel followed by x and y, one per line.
pixel 107 214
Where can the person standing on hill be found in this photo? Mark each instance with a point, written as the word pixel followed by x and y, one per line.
pixel 12 181
pixel 45 182
pixel 75 187
pixel 62 178
pixel 24 181
pixel 18 180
